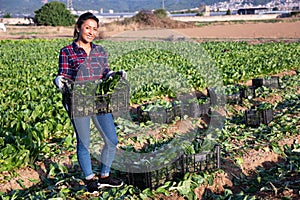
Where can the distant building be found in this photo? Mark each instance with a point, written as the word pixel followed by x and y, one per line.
pixel 207 11
pixel 252 11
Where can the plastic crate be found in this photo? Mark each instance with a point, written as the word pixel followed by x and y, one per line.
pixel 157 114
pixel 257 82
pixel 213 96
pixel 252 117
pixel 86 102
pixel 272 82
pixel 255 117
pixel 202 161
pixel 234 98
pixel 247 92
pixel 267 116
pixel 120 99
pixel 204 108
pixel 216 99
pixel 154 179
pixel 190 109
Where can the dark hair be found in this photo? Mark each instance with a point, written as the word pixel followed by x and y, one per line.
pixel 82 18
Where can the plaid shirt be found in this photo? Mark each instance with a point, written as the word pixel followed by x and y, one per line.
pixel 75 64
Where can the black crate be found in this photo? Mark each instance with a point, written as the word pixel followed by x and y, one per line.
pixel 190 109
pixel 208 160
pixel 272 82
pixel 254 117
pixel 213 96
pixel 176 105
pixel 267 116
pixel 156 178
pixel 204 108
pixel 234 98
pixel 257 82
pixel 216 99
pixel 176 170
pixel 157 113
pixel 120 100
pixel 142 116
pixel 86 101
pixel 247 92
pixel 188 105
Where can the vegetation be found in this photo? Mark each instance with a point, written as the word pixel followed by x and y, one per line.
pixel 7 15
pixel 228 12
pixel 157 18
pixel 54 14
pixel 160 13
pixel 34 127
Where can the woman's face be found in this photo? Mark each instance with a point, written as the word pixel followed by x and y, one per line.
pixel 88 31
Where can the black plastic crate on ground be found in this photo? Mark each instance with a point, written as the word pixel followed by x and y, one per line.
pixel 155 113
pixel 272 82
pixel 190 109
pixel 204 108
pixel 267 116
pixel 218 99
pixel 257 82
pixel 213 96
pixel 208 160
pixel 254 117
pixel 247 92
pixel 234 98
pixel 156 178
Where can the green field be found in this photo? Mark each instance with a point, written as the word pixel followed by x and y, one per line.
pixel 34 126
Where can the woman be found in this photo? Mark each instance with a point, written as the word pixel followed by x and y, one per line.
pixel 70 59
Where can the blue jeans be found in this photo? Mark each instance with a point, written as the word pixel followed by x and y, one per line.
pixel 105 124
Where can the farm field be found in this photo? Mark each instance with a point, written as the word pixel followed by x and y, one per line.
pixel 38 160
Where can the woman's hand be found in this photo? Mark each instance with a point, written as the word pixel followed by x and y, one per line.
pixel 123 74
pixel 60 82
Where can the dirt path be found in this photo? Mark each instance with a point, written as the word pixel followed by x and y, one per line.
pixel 229 31
pixel 247 30
pixel 217 31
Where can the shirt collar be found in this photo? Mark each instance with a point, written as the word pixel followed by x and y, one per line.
pixel 76 47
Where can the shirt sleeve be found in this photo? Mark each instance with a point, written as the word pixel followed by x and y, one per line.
pixel 63 64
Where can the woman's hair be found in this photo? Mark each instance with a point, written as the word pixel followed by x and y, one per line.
pixel 82 18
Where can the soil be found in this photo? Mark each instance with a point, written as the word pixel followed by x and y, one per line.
pixel 250 31
pixel 283 30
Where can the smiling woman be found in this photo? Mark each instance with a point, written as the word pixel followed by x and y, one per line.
pixel 73 58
